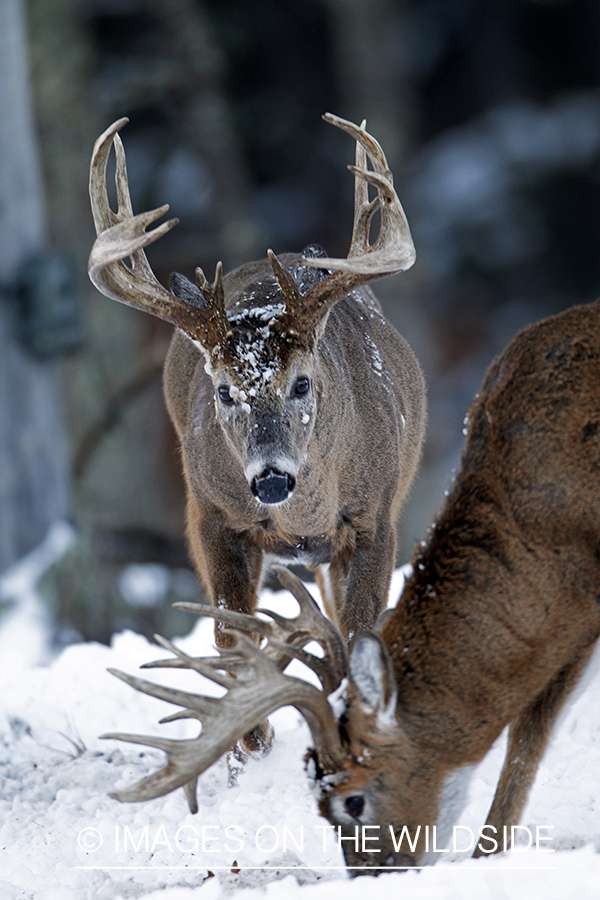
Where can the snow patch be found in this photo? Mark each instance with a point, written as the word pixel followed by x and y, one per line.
pixel 62 836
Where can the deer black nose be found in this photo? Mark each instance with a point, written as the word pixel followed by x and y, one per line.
pixel 272 486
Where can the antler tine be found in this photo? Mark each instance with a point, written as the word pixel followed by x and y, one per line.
pixel 206 667
pixel 246 703
pixel 214 662
pixel 363 208
pixel 228 617
pixel 311 625
pixel 103 215
pixel 139 259
pixel 329 680
pixel 172 695
pixel 393 251
pixel 284 633
pixel 217 326
pixel 291 292
pixel 122 234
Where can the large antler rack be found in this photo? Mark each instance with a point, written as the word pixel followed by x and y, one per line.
pixel 256 686
pixel 203 316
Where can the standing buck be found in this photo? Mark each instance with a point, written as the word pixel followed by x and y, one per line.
pixel 300 410
pixel 494 626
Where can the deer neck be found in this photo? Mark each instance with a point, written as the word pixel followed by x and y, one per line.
pixel 454 612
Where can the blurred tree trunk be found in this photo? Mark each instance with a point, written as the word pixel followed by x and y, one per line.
pixel 109 481
pixel 202 119
pixel 371 70
pixel 34 479
pixel 125 464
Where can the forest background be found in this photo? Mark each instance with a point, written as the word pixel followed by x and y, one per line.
pixel 489 114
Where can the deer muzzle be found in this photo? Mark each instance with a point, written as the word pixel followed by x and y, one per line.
pixel 272 486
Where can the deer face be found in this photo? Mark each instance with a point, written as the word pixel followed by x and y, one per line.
pixel 383 796
pixel 381 805
pixel 267 412
pixel 263 369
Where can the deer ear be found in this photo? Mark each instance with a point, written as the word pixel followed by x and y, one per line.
pixel 183 288
pixel 373 676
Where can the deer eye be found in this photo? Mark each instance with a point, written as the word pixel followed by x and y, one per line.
pixel 301 387
pixel 224 396
pixel 355 805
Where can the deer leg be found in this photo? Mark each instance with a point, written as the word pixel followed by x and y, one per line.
pixel 231 569
pixel 331 602
pixel 527 740
pixel 360 584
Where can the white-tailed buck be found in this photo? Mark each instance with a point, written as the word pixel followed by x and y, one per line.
pixel 300 410
pixel 494 626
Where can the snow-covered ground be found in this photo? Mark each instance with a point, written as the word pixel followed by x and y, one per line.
pixel 63 838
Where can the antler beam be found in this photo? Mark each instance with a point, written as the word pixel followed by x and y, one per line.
pixel 123 234
pixel 393 251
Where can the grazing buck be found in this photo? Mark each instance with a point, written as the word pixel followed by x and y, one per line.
pixel 300 410
pixel 494 626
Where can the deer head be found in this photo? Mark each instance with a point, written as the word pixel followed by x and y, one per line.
pixel 260 343
pixel 383 785
pixel 350 762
